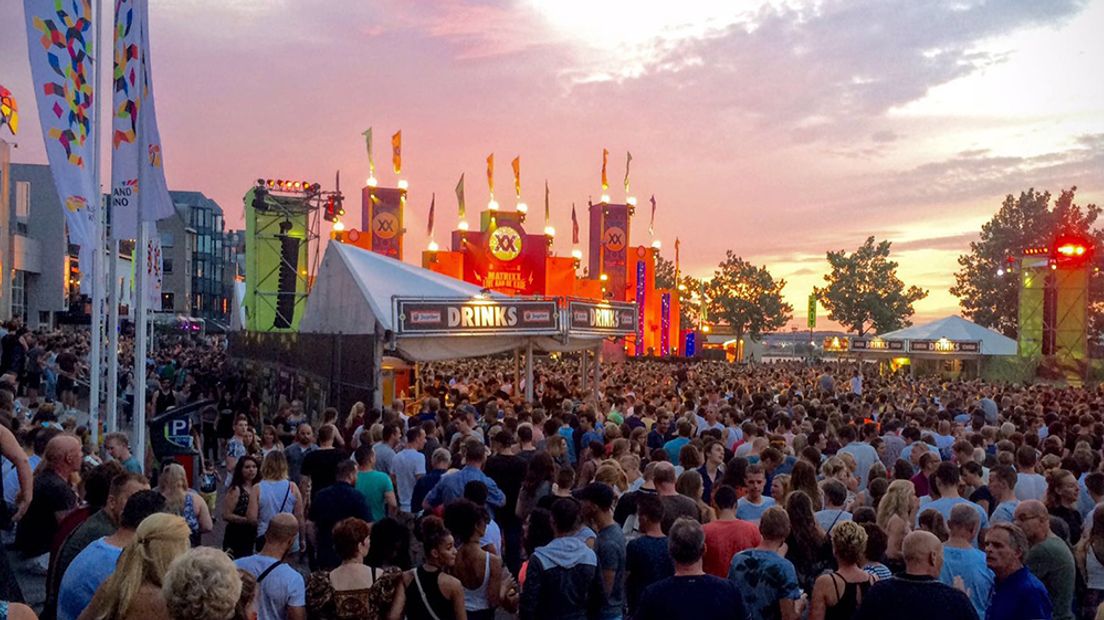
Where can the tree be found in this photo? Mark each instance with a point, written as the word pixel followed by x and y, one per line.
pixel 991 299
pixel 864 292
pixel 747 298
pixel 689 294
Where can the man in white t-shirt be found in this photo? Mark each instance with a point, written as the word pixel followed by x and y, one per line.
pixel 281 595
pixel 409 465
pixel 856 382
pixel 1029 485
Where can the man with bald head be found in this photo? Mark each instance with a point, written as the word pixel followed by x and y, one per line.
pixel 1049 557
pixel 282 594
pixel 53 499
pixel 917 594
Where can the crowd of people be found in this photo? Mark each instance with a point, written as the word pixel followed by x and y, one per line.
pixel 672 490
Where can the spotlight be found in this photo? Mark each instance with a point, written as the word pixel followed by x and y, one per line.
pixel 403 184
pixel 463 225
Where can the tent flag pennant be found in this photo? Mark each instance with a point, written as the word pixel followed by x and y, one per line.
pixel 574 226
pixel 605 180
pixel 516 164
pixel 460 197
pixel 547 210
pixel 651 222
pixel 139 192
pixel 628 160
pixel 60 39
pixel 432 208
pixel 490 174
pixel 396 151
pixel 368 144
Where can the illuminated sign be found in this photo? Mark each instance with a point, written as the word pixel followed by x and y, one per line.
pixel 505 243
pixel 876 344
pixel 473 317
pixel 836 344
pixel 944 345
pixel 601 319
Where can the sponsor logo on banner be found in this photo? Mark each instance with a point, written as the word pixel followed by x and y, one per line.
pixel 505 243
pixel 476 317
pixel 615 239
pixel 385 225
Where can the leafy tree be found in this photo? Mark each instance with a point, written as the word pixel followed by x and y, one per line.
pixel 992 300
pixel 689 296
pixel 746 297
pixel 864 292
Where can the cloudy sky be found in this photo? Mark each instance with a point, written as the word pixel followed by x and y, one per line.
pixel 778 130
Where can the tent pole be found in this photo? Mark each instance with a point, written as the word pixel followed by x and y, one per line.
pixel 529 372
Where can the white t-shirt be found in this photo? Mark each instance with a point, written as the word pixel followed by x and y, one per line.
pixel 1030 486
pixel 281 588
pixel 406 467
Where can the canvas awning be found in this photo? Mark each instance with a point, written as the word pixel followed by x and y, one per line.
pixel 952 336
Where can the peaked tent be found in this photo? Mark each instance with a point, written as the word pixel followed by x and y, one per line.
pixel 957 328
pixel 353 294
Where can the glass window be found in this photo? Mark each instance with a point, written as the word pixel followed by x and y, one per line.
pixel 167 265
pixel 167 300
pixel 22 200
pixel 167 239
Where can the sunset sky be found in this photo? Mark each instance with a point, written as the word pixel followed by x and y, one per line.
pixel 778 130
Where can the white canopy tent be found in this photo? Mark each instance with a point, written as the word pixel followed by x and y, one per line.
pixel 957 329
pixel 353 294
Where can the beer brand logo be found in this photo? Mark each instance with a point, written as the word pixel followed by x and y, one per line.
pixel 505 243
pixel 614 239
pixel 385 225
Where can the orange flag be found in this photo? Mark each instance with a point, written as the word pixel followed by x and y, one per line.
pixel 605 180
pixel 490 174
pixel 396 151
pixel 516 164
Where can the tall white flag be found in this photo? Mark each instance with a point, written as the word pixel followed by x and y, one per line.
pixel 60 40
pixel 135 140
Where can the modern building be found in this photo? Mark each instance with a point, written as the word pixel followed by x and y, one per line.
pixel 42 278
pixel 194 258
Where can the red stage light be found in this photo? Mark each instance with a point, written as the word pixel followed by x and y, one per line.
pixel 1071 249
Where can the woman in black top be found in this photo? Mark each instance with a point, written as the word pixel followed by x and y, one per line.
pixel 240 534
pixel 427 593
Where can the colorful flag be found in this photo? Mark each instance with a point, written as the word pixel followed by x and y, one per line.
pixel 490 174
pixel 396 151
pixel 651 222
pixel 574 226
pixel 60 39
pixel 605 181
pixel 628 160
pixel 516 165
pixel 547 211
pixel 432 208
pixel 139 192
pixel 9 111
pixel 460 196
pixel 368 143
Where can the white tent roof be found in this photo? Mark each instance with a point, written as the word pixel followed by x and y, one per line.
pixel 957 328
pixel 353 293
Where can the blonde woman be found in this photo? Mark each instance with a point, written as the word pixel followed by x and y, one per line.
pixel 839 593
pixel 134 589
pixel 185 502
pixel 836 468
pixel 272 495
pixel 610 472
pixel 896 514
pixel 202 584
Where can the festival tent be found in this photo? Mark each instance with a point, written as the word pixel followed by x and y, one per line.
pixel 354 290
pixel 957 329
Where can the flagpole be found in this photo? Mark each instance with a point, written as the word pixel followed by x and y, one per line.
pixel 96 353
pixel 112 345
pixel 139 318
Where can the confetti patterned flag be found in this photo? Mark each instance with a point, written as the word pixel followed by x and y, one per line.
pixel 605 180
pixel 516 165
pixel 574 226
pixel 60 39
pixel 139 192
pixel 628 160
pixel 490 174
pixel 9 111
pixel 368 144
pixel 460 197
pixel 396 151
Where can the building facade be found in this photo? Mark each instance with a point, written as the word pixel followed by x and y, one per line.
pixel 42 278
pixel 194 257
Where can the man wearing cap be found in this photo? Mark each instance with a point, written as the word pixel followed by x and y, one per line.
pixel 609 546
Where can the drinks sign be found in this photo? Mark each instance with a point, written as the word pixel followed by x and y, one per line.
pixel 944 345
pixel 475 317
pixel 876 344
pixel 601 318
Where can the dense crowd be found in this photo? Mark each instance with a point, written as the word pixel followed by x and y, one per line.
pixel 669 490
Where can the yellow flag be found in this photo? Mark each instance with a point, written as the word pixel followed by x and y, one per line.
pixel 396 151
pixel 517 176
pixel 628 160
pixel 490 174
pixel 460 196
pixel 605 181
pixel 368 142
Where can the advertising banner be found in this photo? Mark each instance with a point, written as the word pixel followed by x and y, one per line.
pixel 382 214
pixel 614 248
pixel 601 318
pixel 945 346
pixel 665 325
pixel 503 257
pixel 476 317
pixel 876 344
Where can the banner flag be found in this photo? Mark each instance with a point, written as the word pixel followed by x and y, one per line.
pixel 490 174
pixel 60 40
pixel 605 181
pixel 9 111
pixel 516 164
pixel 432 208
pixel 547 211
pixel 396 151
pixel 628 160
pixel 574 226
pixel 812 314
pixel 676 259
pixel 651 222
pixel 368 143
pixel 460 197
pixel 136 153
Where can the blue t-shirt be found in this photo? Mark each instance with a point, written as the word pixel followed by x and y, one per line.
pixel 969 564
pixel 753 512
pixel 673 447
pixel 763 578
pixel 281 588
pixel 85 574
pixel 1005 512
pixel 1021 596
pixel 646 561
pixel 692 597
pixel 944 505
